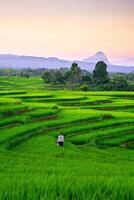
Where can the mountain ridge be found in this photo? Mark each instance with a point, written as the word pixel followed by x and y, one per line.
pixel 35 62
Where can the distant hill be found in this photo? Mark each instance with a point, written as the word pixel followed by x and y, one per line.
pixel 15 61
pixel 126 62
pixel 19 62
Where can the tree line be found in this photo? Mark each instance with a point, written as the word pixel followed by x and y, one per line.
pixel 76 78
pixel 26 72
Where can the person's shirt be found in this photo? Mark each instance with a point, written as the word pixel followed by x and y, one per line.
pixel 61 138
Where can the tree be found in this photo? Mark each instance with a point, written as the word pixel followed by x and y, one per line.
pixel 100 74
pixel 24 74
pixel 59 77
pixel 53 76
pixel 118 83
pixel 86 78
pixel 74 76
pixel 47 76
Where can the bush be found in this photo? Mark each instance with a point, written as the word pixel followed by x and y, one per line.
pixel 84 87
pixel 55 107
pixel 118 83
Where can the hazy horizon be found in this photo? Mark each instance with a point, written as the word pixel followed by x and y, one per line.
pixel 66 29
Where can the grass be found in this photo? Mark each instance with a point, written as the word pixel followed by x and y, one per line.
pixel 92 125
pixel 97 161
pixel 86 138
pixel 119 140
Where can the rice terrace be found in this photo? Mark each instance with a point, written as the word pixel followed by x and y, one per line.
pixel 97 160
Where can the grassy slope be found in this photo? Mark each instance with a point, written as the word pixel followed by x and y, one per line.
pixel 38 169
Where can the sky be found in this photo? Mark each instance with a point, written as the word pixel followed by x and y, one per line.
pixel 71 29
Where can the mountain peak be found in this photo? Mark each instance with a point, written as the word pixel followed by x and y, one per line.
pixel 99 56
pixel 100 53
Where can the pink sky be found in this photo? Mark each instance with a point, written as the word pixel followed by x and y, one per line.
pixel 66 29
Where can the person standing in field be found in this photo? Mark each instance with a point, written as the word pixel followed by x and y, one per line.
pixel 60 140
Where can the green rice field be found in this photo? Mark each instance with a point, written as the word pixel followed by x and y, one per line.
pixel 97 160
